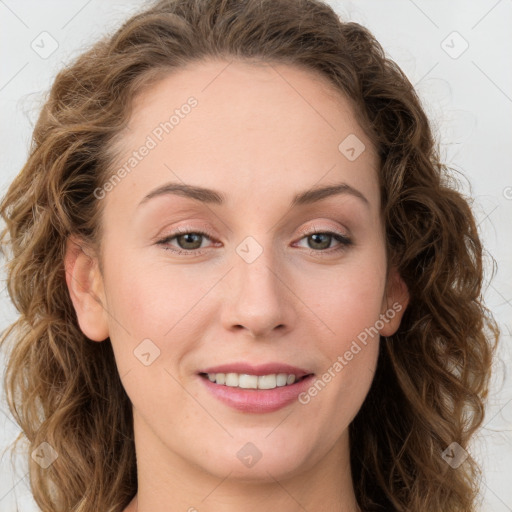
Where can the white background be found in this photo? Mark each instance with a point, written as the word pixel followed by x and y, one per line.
pixel 468 98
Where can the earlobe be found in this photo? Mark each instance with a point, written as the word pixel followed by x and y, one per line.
pixel 394 303
pixel 85 285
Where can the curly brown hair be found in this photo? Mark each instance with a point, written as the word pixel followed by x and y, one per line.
pixel 432 377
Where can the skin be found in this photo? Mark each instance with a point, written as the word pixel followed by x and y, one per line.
pixel 259 141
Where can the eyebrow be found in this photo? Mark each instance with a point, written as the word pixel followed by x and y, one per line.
pixel 207 195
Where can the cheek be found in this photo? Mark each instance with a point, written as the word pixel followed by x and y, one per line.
pixel 157 302
pixel 348 298
pixel 148 298
pixel 349 350
pixel 139 310
pixel 146 316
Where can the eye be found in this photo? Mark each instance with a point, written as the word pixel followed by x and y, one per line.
pixel 189 241
pixel 320 241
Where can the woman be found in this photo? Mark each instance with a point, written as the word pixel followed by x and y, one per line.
pixel 242 277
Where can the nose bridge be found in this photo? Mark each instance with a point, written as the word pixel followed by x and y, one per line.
pixel 255 270
pixel 257 298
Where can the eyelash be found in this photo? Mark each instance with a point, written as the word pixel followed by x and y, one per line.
pixel 344 241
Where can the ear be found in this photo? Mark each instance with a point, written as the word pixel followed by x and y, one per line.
pixel 85 285
pixel 394 303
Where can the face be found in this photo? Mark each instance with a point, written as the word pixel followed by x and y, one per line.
pixel 263 275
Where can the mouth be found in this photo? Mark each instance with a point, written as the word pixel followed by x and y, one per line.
pixel 256 389
pixel 247 381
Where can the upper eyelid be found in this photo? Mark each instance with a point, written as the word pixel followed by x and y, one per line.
pixel 319 229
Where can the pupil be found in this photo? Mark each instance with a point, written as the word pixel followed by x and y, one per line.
pixel 320 235
pixel 187 240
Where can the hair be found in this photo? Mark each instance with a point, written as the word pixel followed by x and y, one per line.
pixel 433 374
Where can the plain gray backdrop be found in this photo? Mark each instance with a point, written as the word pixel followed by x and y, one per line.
pixel 457 54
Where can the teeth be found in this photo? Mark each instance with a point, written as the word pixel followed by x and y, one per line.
pixel 281 379
pixel 244 381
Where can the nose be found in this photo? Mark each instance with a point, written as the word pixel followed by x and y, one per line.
pixel 258 297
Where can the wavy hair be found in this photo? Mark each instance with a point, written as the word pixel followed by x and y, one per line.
pixel 432 377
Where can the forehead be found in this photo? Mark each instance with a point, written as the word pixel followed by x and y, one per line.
pixel 241 91
pixel 253 126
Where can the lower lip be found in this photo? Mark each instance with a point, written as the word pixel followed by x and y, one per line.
pixel 257 400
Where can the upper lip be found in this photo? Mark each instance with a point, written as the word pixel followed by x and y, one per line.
pixel 262 369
